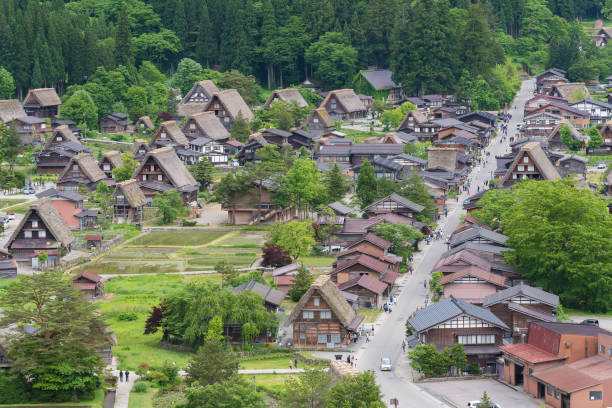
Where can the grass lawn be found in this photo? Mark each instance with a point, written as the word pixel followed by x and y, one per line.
pixel 7 202
pixel 178 238
pixel 323 260
pixel 595 159
pixel 280 362
pixel 272 382
pixel 370 314
pixel 19 208
pixel 121 267
pixel 142 399
pixel 360 135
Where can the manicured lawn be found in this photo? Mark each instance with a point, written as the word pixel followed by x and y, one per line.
pixel 323 260
pixel 142 399
pixel 178 238
pixel 360 135
pixel 7 202
pixel 370 314
pixel 272 382
pixel 280 362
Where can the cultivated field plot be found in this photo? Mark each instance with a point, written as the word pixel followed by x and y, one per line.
pixel 178 238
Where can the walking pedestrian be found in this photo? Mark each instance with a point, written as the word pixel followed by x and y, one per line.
pixel 404 345
pixel 295 362
pixel 127 375
pixel 367 338
pixel 290 364
pixel 425 283
pixel 120 376
pixel 354 362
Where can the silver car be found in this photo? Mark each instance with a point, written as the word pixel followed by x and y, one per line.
pixel 385 364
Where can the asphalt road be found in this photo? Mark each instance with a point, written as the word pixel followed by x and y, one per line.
pixel 389 334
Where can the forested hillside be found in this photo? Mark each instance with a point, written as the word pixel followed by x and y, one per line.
pixel 432 45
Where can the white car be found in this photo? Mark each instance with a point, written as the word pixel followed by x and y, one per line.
pixel 385 364
pixel 601 166
pixel 478 404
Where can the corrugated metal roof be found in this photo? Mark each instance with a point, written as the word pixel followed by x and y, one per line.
pixel 523 290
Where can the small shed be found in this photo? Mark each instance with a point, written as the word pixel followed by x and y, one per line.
pixel 93 241
pixel 90 284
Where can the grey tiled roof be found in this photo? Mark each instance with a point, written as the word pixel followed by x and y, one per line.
pixel 522 290
pixel 270 295
pixel 411 158
pixel 400 200
pixel 478 233
pixel 448 308
pixel 340 208
pixel 477 246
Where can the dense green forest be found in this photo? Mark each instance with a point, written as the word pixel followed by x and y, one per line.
pixel 432 45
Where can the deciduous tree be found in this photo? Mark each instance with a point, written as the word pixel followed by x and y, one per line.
pixel 366 184
pixel 360 391
pixel 169 206
pixel 307 390
pixel 127 168
pixel 301 284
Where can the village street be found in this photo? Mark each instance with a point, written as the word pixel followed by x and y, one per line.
pixel 390 333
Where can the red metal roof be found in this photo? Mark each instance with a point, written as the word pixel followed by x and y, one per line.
pixel 530 353
pixel 470 292
pixel 390 277
pixel 284 280
pixel 577 375
pixel 372 239
pixel 89 276
pixel 370 263
pixel 366 282
pixel 475 272
pixel 93 237
pixel 368 251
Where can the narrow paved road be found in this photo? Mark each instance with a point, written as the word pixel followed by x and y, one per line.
pixel 388 335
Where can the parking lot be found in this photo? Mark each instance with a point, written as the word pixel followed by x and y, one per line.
pixel 459 393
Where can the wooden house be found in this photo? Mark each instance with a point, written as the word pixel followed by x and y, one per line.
pixel 547 79
pixel 322 318
pixel 481 116
pixel 580 119
pixel 362 265
pixel 452 321
pixel 371 242
pixel 319 123
pixel 93 241
pixel 139 149
pixel 11 109
pixel 518 305
pixel 246 209
pixel 90 284
pixel 361 151
pixel 549 344
pixel 227 105
pixel 30 129
pixel 472 284
pixel 41 229
pixel 392 262
pixel 554 137
pixel 272 297
pixel 168 134
pixel 571 91
pixel 369 291
pixel 81 169
pixel 599 111
pixel 161 170
pixel 110 160
pixel 569 164
pixel 480 235
pixel 67 203
pixel 344 104
pixel 530 162
pixel 76 131
pixel 205 124
pixel 284 276
pixel 538 101
pixel 116 122
pixel 409 162
pixel 42 103
pixel 129 202
pixel 383 169
pixel 144 125
pixel 396 204
pixel 379 84
pixel 198 98
pixel 540 124
pixel 606 134
pixel 61 146
pixel 288 95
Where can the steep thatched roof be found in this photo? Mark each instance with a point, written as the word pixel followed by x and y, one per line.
pixel 207 86
pixel 332 296
pixel 541 161
pixel 114 157
pixel 347 98
pixel 132 192
pixel 288 95
pixel 172 131
pixel 188 109
pixel 52 219
pixel 210 125
pixel 145 120
pixel 42 97
pixel 323 116
pixel 418 116
pixel 172 166
pixel 66 133
pixel 234 104
pixel 87 164
pixel 573 91
pixel 138 143
pixel 11 109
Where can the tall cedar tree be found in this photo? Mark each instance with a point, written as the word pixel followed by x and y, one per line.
pixel 366 184
pixel 336 184
pixel 61 355
pixel 123 37
pixel 212 363
pixel 202 172
pixel 206 48
pixel 301 284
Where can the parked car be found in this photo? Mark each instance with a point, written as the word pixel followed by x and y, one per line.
pixel 592 322
pixel 385 364
pixel 478 404
pixel 601 166
pixel 28 190
pixel 10 215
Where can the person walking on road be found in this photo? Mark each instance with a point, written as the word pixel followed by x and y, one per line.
pixel 404 346
pixel 290 364
pixel 127 375
pixel 295 362
pixel 120 376
pixel 425 283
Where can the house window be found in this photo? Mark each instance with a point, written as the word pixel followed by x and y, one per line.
pixel 530 168
pixel 308 314
pixel 556 394
pixel 525 159
pixel 107 167
pixel 59 139
pixel 316 120
pixel 160 177
pixel 322 338
pixel 335 338
pixel 42 234
pixel 226 119
pixel 521 167
pixel 595 395
pixel 163 135
pixel 27 234
pixel 144 177
pixel 315 301
pixel 506 362
pixel 192 126
pixel 530 371
pixel 34 223
pixel 548 390
pixel 75 167
pixel 333 105
pixel 476 339
pixel 325 314
pixel 602 349
pixel 302 335
pixel 152 167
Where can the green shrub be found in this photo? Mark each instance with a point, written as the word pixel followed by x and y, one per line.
pixel 13 389
pixel 142 369
pixel 189 223
pixel 127 316
pixel 158 377
pixel 140 386
pixel 171 371
pixel 474 369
